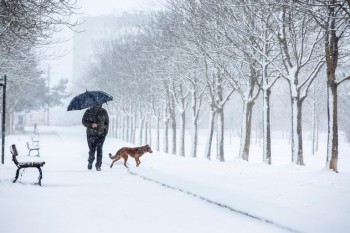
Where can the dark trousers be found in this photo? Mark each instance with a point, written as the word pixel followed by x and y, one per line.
pixel 95 143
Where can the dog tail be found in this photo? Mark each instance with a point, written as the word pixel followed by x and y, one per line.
pixel 112 157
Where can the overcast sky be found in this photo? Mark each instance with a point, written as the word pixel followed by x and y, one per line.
pixel 62 68
pixel 102 7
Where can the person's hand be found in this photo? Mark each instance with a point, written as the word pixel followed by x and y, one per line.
pixel 94 125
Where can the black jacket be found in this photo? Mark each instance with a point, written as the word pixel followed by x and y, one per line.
pixel 99 116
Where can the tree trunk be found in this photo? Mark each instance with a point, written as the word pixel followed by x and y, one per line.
pixel 145 132
pixel 141 130
pixel 166 137
pixel 117 126
pixel 131 130
pixel 173 126
pixel 210 135
pixel 182 134
pixel 332 55
pixel 297 137
pixel 134 129
pixel 266 127
pixel 194 138
pixel 157 134
pixel 332 113
pixel 246 130
pixel 220 136
pixel 173 130
pixel 127 130
pixel 124 127
pixel 150 132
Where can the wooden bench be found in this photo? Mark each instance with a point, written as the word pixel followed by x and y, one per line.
pixel 33 147
pixel 24 165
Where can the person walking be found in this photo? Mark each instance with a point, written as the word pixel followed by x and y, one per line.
pixel 96 121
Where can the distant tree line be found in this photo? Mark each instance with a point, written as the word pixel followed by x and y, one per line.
pixel 193 56
pixel 26 26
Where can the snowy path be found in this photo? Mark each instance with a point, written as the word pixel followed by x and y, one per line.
pixel 74 199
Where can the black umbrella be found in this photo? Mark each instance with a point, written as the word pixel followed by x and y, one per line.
pixel 89 99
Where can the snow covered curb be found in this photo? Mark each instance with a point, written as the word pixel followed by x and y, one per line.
pixel 278 216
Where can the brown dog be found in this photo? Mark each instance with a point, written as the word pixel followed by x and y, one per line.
pixel 135 152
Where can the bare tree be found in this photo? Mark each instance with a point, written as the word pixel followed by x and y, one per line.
pixel 235 58
pixel 197 91
pixel 333 19
pixel 181 100
pixel 263 49
pixel 33 23
pixel 300 43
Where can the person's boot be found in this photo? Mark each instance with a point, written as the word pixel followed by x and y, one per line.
pixel 98 168
pixel 90 166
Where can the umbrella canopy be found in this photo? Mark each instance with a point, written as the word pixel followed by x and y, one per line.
pixel 89 99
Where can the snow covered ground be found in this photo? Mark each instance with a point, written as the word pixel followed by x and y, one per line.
pixel 169 193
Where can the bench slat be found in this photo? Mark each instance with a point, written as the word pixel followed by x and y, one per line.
pixel 31 164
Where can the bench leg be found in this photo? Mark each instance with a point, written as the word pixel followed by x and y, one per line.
pixel 37 154
pixel 17 173
pixel 40 175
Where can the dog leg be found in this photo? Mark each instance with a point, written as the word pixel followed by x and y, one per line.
pixel 138 161
pixel 125 160
pixel 115 161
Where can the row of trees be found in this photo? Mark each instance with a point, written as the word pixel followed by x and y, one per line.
pixel 26 27
pixel 195 55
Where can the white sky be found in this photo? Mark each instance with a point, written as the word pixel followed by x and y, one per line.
pixel 62 67
pixel 102 7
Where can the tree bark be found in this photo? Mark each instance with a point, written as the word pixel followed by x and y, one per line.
pixel 166 137
pixel 173 130
pixel 266 127
pixel 246 130
pixel 297 137
pixel 150 132
pixel 194 139
pixel 210 135
pixel 134 129
pixel 124 127
pixel 173 126
pixel 146 132
pixel 117 126
pixel 127 130
pixel 332 55
pixel 157 134
pixel 182 134
pixel 332 113
pixel 142 120
pixel 220 136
